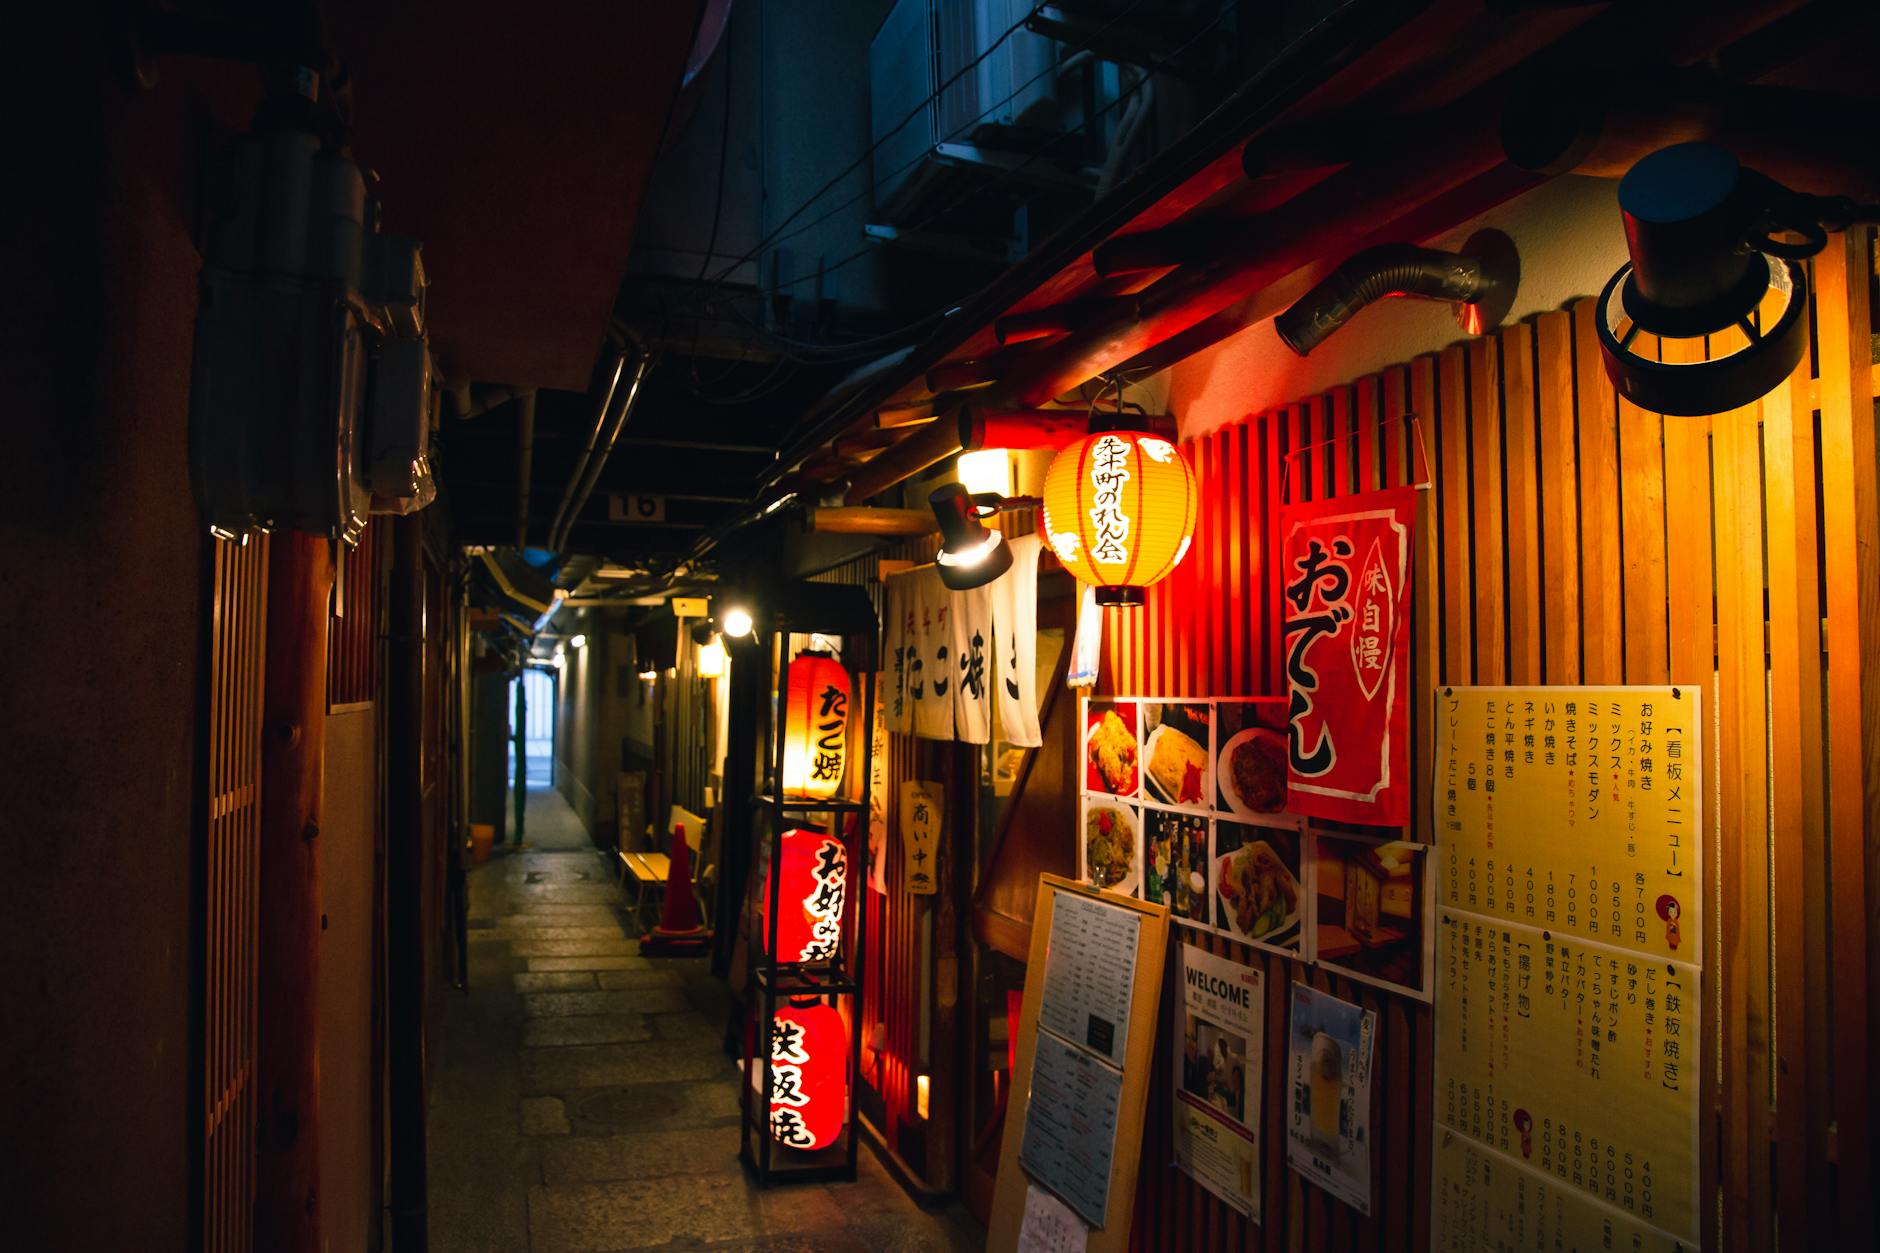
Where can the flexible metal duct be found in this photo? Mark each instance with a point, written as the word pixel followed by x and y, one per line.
pixel 1482 279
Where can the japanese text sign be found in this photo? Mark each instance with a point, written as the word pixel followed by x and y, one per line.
pixel 1345 591
pixel 922 816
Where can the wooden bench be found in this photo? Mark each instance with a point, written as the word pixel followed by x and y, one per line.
pixel 650 870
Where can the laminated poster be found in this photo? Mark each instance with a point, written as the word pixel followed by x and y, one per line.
pixel 1220 1029
pixel 1328 1119
pixel 1568 974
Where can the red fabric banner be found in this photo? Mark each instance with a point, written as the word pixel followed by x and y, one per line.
pixel 1345 589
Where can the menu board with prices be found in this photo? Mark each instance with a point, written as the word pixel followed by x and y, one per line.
pixel 1568 974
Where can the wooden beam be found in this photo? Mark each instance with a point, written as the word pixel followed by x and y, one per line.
pixel 293 758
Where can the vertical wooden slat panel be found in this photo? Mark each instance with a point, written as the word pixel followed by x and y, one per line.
pixel 1560 503
pixel 1744 1042
pixel 1601 561
pixel 1691 639
pixel 1457 592
pixel 1794 802
pixel 1425 608
pixel 1850 506
pixel 1521 492
pixel 1642 533
pixel 1489 578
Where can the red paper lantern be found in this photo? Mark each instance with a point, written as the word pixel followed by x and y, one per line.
pixel 815 726
pixel 1119 509
pixel 809 1075
pixel 813 883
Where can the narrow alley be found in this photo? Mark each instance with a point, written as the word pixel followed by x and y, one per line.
pixel 582 1100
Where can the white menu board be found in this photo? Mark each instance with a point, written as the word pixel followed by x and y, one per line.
pixel 1088 974
pixel 1070 1127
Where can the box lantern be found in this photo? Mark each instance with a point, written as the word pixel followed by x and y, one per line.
pixel 813 883
pixel 815 726
pixel 809 1075
pixel 1119 511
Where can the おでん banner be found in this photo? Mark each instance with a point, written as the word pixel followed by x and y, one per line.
pixel 1345 590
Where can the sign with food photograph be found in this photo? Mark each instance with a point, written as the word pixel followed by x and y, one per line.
pixel 1220 1025
pixel 1111 748
pixel 1175 862
pixel 1177 745
pixel 1109 855
pixel 1258 879
pixel 1251 768
pixel 1371 912
pixel 1345 588
pixel 1328 1120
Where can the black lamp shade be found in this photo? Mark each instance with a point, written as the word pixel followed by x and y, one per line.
pixel 971 555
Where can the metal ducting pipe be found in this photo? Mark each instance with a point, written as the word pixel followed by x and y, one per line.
pixel 608 421
pixel 1481 280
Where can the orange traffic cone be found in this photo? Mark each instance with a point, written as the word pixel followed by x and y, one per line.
pixel 680 931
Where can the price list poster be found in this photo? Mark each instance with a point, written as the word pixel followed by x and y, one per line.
pixel 1569 967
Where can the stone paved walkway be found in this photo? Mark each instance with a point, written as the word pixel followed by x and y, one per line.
pixel 581 1102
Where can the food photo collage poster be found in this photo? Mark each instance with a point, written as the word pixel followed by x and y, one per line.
pixel 1186 802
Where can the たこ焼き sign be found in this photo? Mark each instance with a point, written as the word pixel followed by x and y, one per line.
pixel 1345 590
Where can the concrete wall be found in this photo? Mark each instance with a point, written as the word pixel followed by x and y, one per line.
pixel 101 587
pixel 1570 240
pixel 593 719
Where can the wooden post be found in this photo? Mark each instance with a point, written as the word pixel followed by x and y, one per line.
pixel 293 759
pixel 407 929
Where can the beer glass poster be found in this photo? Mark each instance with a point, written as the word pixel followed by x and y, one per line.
pixel 1569 959
pixel 1220 1025
pixel 1328 1068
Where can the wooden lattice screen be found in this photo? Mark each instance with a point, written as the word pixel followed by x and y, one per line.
pixel 238 633
pixel 352 654
pixel 1568 537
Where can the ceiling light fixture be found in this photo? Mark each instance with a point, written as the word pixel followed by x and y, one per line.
pixel 1702 232
pixel 737 622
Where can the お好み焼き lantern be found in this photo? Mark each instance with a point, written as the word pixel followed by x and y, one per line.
pixel 815 726
pixel 1119 509
pixel 809 1075
pixel 813 884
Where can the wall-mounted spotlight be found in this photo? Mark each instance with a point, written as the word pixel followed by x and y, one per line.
pixel 971 555
pixel 578 642
pixel 1702 233
pixel 736 622
pixel 648 676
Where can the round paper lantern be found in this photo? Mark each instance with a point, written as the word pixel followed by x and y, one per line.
pixel 815 726
pixel 809 1075
pixel 813 883
pixel 1119 507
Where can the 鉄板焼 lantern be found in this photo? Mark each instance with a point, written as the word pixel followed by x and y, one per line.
pixel 815 726
pixel 813 884
pixel 1119 508
pixel 809 1075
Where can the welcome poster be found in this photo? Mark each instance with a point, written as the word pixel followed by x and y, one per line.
pixel 1220 1028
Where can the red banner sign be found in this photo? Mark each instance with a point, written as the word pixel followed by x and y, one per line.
pixel 1345 593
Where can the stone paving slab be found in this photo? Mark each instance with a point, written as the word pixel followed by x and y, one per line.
pixel 649 1107
pixel 648 1213
pixel 597 1029
pixel 642 1155
pixel 544 1116
pixel 644 1001
pixel 576 948
pixel 556 1070
pixel 557 981
pixel 626 980
pixel 692 1028
pixel 591 961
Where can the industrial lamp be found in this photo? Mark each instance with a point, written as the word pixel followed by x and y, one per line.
pixel 971 554
pixel 1701 231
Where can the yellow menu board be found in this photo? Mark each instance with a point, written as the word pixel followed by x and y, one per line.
pixel 1503 1208
pixel 1568 977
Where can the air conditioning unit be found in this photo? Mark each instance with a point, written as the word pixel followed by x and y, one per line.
pixel 310 391
pixel 922 44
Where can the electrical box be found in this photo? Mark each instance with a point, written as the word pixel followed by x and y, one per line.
pixel 310 388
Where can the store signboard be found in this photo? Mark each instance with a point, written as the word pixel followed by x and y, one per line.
pixel 1345 593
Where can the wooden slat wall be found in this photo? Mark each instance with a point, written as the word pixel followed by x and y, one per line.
pixel 352 654
pixel 1568 537
pixel 238 634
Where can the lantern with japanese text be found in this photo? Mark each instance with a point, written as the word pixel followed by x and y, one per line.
pixel 815 726
pixel 1119 510
pixel 809 1074
pixel 813 884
